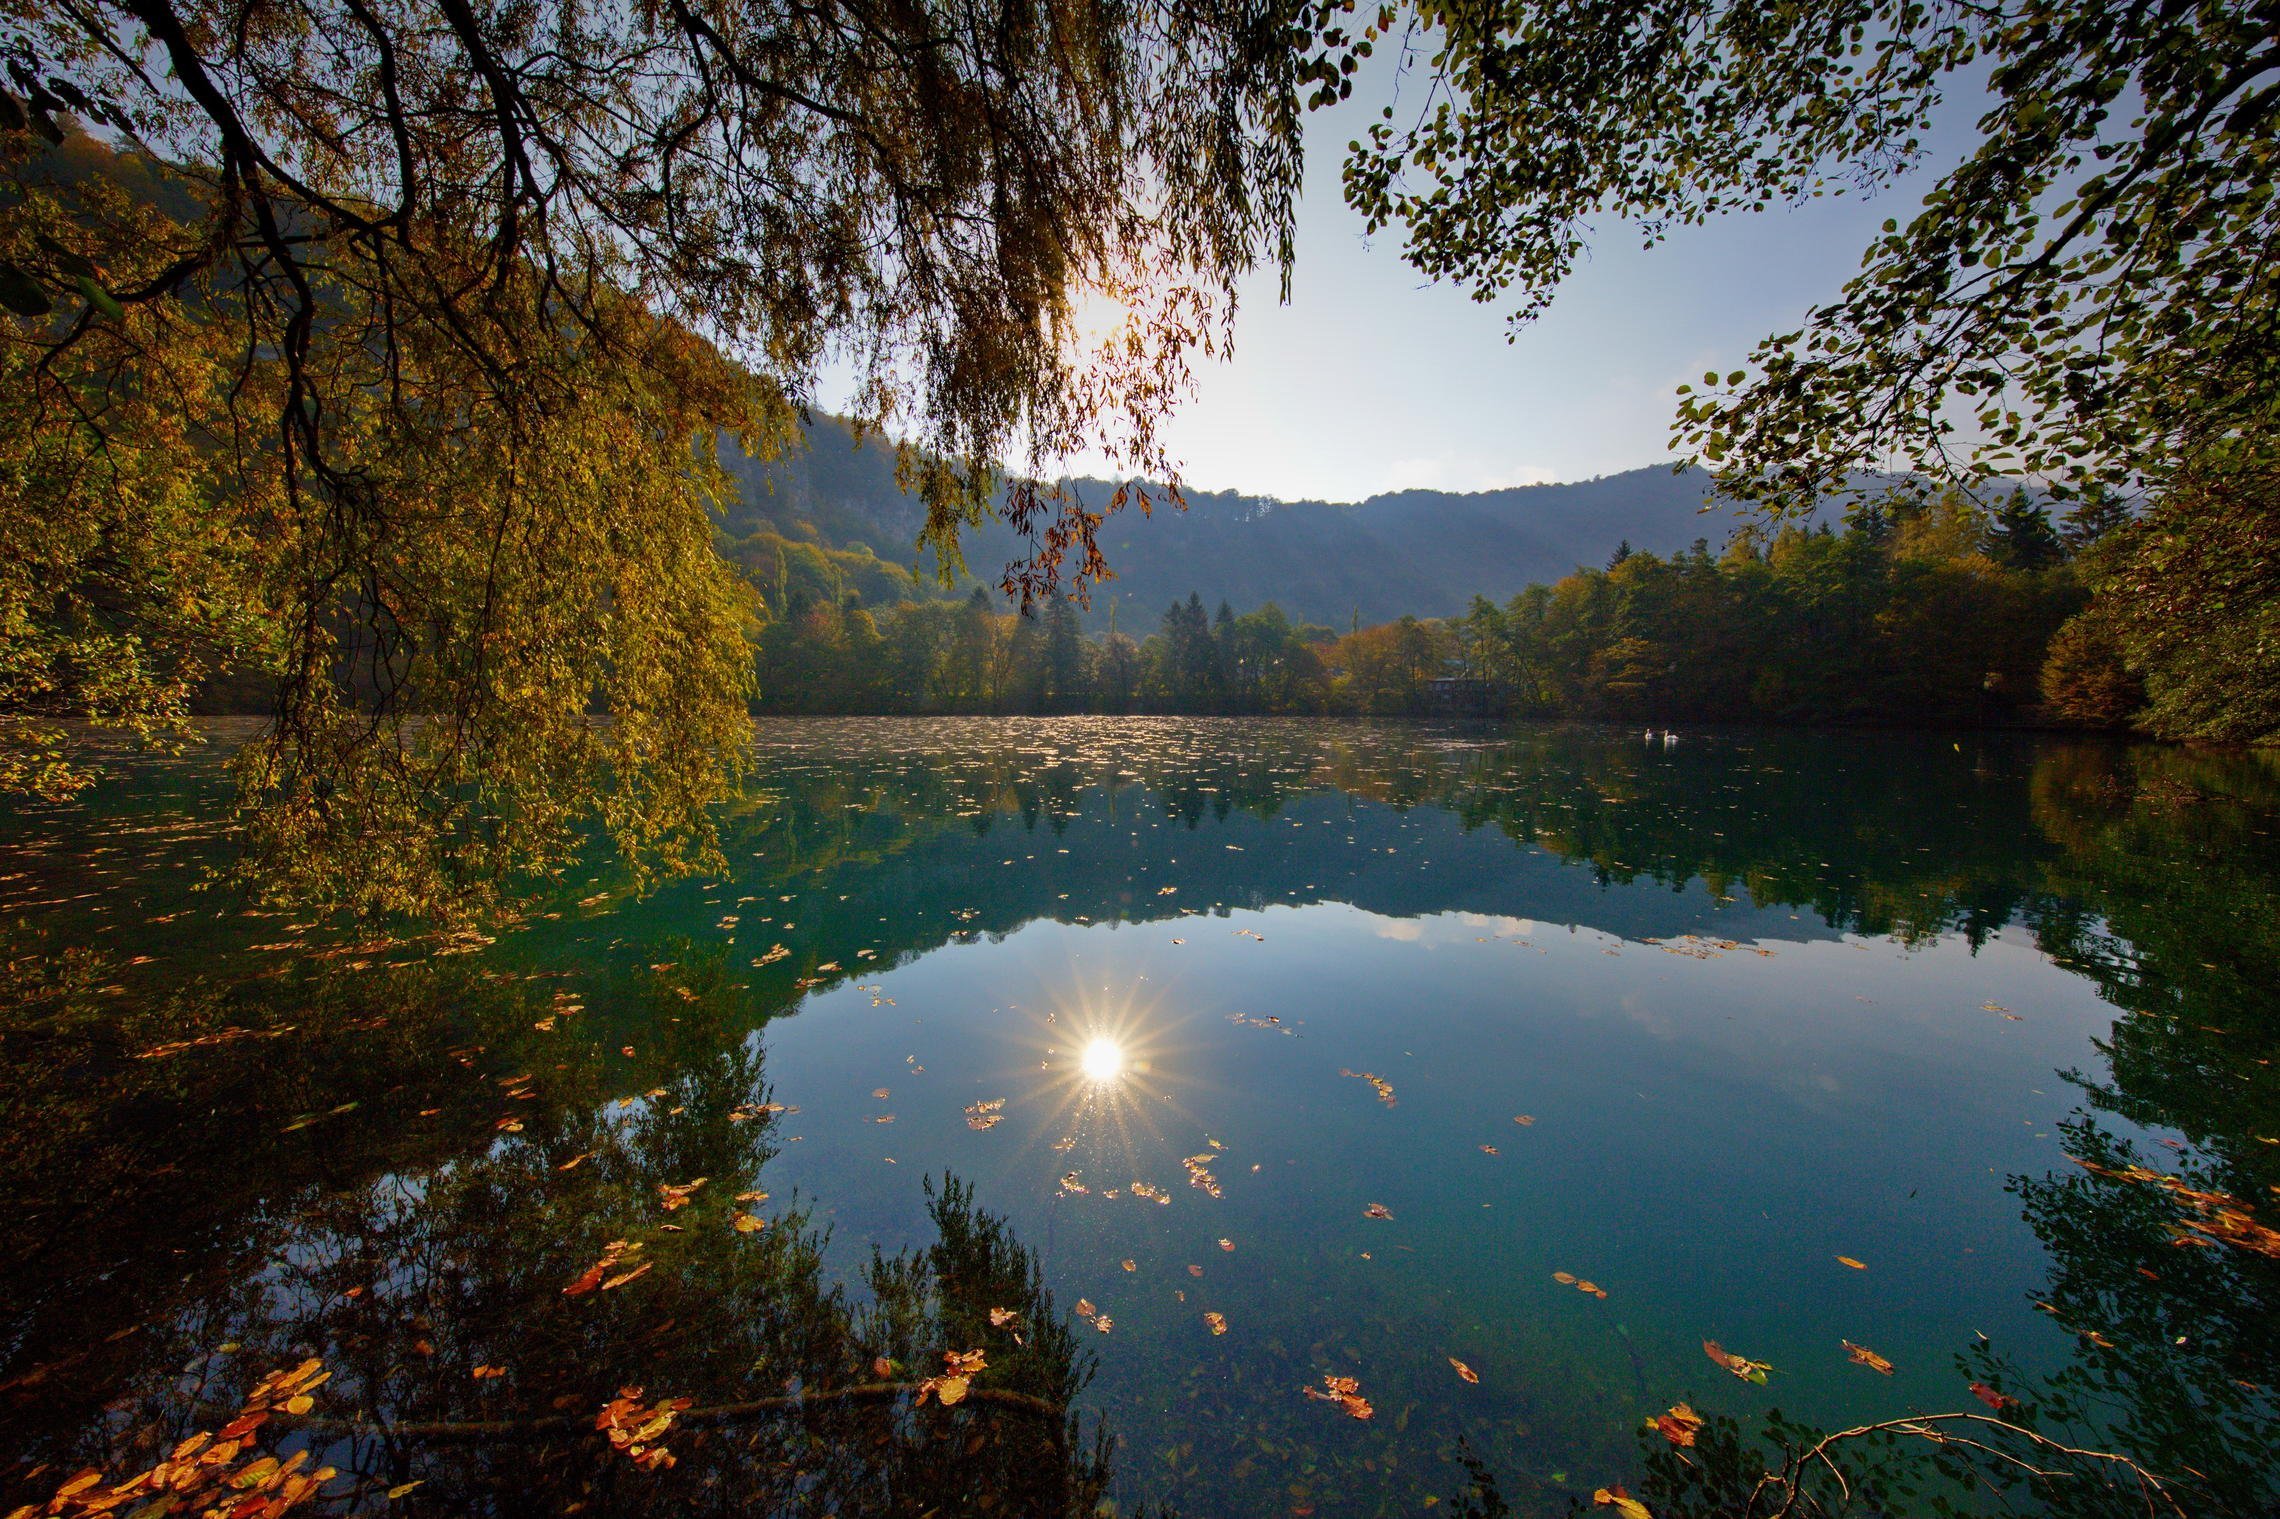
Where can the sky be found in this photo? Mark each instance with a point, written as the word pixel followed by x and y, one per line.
pixel 1374 379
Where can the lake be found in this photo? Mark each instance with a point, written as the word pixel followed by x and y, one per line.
pixel 1183 1068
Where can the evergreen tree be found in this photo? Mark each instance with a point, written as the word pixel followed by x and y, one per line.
pixel 2019 535
pixel 2098 515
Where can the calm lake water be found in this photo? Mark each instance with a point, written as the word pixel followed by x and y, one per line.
pixel 1217 1058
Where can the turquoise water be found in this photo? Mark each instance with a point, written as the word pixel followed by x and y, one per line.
pixel 1698 1022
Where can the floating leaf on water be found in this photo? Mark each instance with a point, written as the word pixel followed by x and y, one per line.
pixel 1863 1356
pixel 486 1373
pixel 1747 1370
pixel 1846 1260
pixel 951 1390
pixel 1524 1120
pixel 1218 1322
pixel 1131 1265
pixel 1226 1244
pixel 879 1094
pixel 1678 1425
pixel 677 1196
pixel 750 1223
pixel 1384 1087
pixel 1463 1370
pixel 623 1277
pixel 1000 1317
pixel 1346 1392
pixel 1620 1501
pixel 1993 1399
pixel 1195 1271
pixel 1489 1150
pixel 1085 1309
pixel 1377 1210
pixel 1564 1278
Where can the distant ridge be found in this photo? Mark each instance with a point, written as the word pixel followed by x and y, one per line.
pixel 1417 551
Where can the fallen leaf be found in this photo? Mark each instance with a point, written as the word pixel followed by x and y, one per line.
pixel 485 1373
pixel 1564 1278
pixel 750 1223
pixel 1346 1392
pixel 1747 1370
pixel 1218 1322
pixel 1622 1502
pixel 1846 1260
pixel 1864 1356
pixel 1464 1371
pixel 951 1390
pixel 1377 1210
pixel 1993 1399
pixel 1678 1425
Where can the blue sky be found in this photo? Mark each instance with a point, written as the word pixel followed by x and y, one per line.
pixel 1372 379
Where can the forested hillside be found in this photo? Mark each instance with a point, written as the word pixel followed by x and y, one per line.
pixel 1420 552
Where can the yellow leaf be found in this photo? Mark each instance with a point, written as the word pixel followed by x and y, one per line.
pixel 1622 1502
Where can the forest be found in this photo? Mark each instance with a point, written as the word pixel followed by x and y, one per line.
pixel 1937 611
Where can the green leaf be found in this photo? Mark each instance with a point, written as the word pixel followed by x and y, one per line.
pixel 101 299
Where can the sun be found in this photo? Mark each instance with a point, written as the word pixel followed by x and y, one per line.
pixel 1103 1060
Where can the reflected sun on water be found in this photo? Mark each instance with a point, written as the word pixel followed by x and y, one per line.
pixel 1102 1061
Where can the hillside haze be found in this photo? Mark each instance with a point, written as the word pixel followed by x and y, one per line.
pixel 1418 551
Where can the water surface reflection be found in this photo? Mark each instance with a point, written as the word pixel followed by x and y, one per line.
pixel 1127 1024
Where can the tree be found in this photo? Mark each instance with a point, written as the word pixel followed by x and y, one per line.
pixel 2092 287
pixel 379 359
pixel 1065 685
pixel 2191 594
pixel 2085 679
pixel 2020 535
pixel 2099 514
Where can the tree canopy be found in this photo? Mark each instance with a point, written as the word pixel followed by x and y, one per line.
pixel 2087 297
pixel 2088 294
pixel 369 342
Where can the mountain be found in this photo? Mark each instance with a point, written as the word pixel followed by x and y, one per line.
pixel 1418 551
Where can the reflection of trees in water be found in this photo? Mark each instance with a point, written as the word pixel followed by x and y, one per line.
pixel 2164 890
pixel 407 1277
pixel 1891 833
pixel 164 1208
